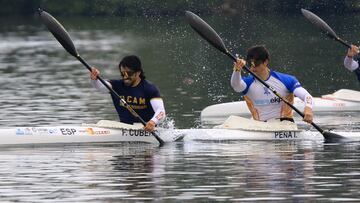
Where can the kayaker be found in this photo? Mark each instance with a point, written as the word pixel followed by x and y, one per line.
pixel 262 103
pixel 143 96
pixel 351 61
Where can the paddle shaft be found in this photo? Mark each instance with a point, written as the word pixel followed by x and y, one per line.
pixel 275 92
pixel 342 42
pixel 123 102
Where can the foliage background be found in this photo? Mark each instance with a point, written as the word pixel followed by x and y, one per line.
pixel 173 7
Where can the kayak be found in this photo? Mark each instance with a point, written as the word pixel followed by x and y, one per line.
pixel 239 134
pixel 234 128
pixel 102 132
pixel 238 128
pixel 92 135
pixel 343 100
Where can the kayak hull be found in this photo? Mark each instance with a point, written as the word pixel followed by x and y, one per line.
pixel 238 134
pixel 90 135
pixel 80 134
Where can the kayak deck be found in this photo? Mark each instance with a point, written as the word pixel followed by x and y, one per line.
pixel 232 134
pixel 80 134
pixel 234 128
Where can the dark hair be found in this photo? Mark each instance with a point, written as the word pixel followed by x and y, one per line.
pixel 258 53
pixel 133 63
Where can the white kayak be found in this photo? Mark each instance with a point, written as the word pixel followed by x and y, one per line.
pixel 246 135
pixel 343 100
pixel 238 128
pixel 102 132
pixel 234 128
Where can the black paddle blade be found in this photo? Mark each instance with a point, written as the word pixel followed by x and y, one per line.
pixel 58 31
pixel 318 22
pixel 205 31
pixel 332 137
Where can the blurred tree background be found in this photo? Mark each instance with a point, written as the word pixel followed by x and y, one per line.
pixel 173 7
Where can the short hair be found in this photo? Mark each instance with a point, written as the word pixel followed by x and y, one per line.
pixel 258 53
pixel 133 63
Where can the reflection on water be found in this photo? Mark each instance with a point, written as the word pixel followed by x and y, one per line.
pixel 192 171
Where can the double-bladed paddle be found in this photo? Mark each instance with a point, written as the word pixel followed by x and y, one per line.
pixel 64 39
pixel 210 35
pixel 324 27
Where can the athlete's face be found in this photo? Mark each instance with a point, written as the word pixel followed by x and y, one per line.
pixel 257 66
pixel 130 77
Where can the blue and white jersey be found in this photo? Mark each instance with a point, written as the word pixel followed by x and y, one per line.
pixel 265 105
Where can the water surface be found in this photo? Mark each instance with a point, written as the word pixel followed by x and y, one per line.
pixel 44 85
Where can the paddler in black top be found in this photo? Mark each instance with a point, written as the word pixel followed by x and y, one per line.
pixel 351 61
pixel 143 96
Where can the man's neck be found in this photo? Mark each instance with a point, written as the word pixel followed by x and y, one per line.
pixel 264 74
pixel 136 83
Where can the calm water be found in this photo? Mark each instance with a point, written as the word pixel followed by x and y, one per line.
pixel 43 85
pixel 192 171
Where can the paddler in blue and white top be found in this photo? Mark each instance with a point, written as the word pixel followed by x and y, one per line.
pixel 143 96
pixel 351 61
pixel 262 103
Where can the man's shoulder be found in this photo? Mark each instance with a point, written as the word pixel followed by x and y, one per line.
pixel 151 89
pixel 288 80
pixel 284 77
pixel 147 82
pixel 280 74
pixel 248 79
pixel 150 86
